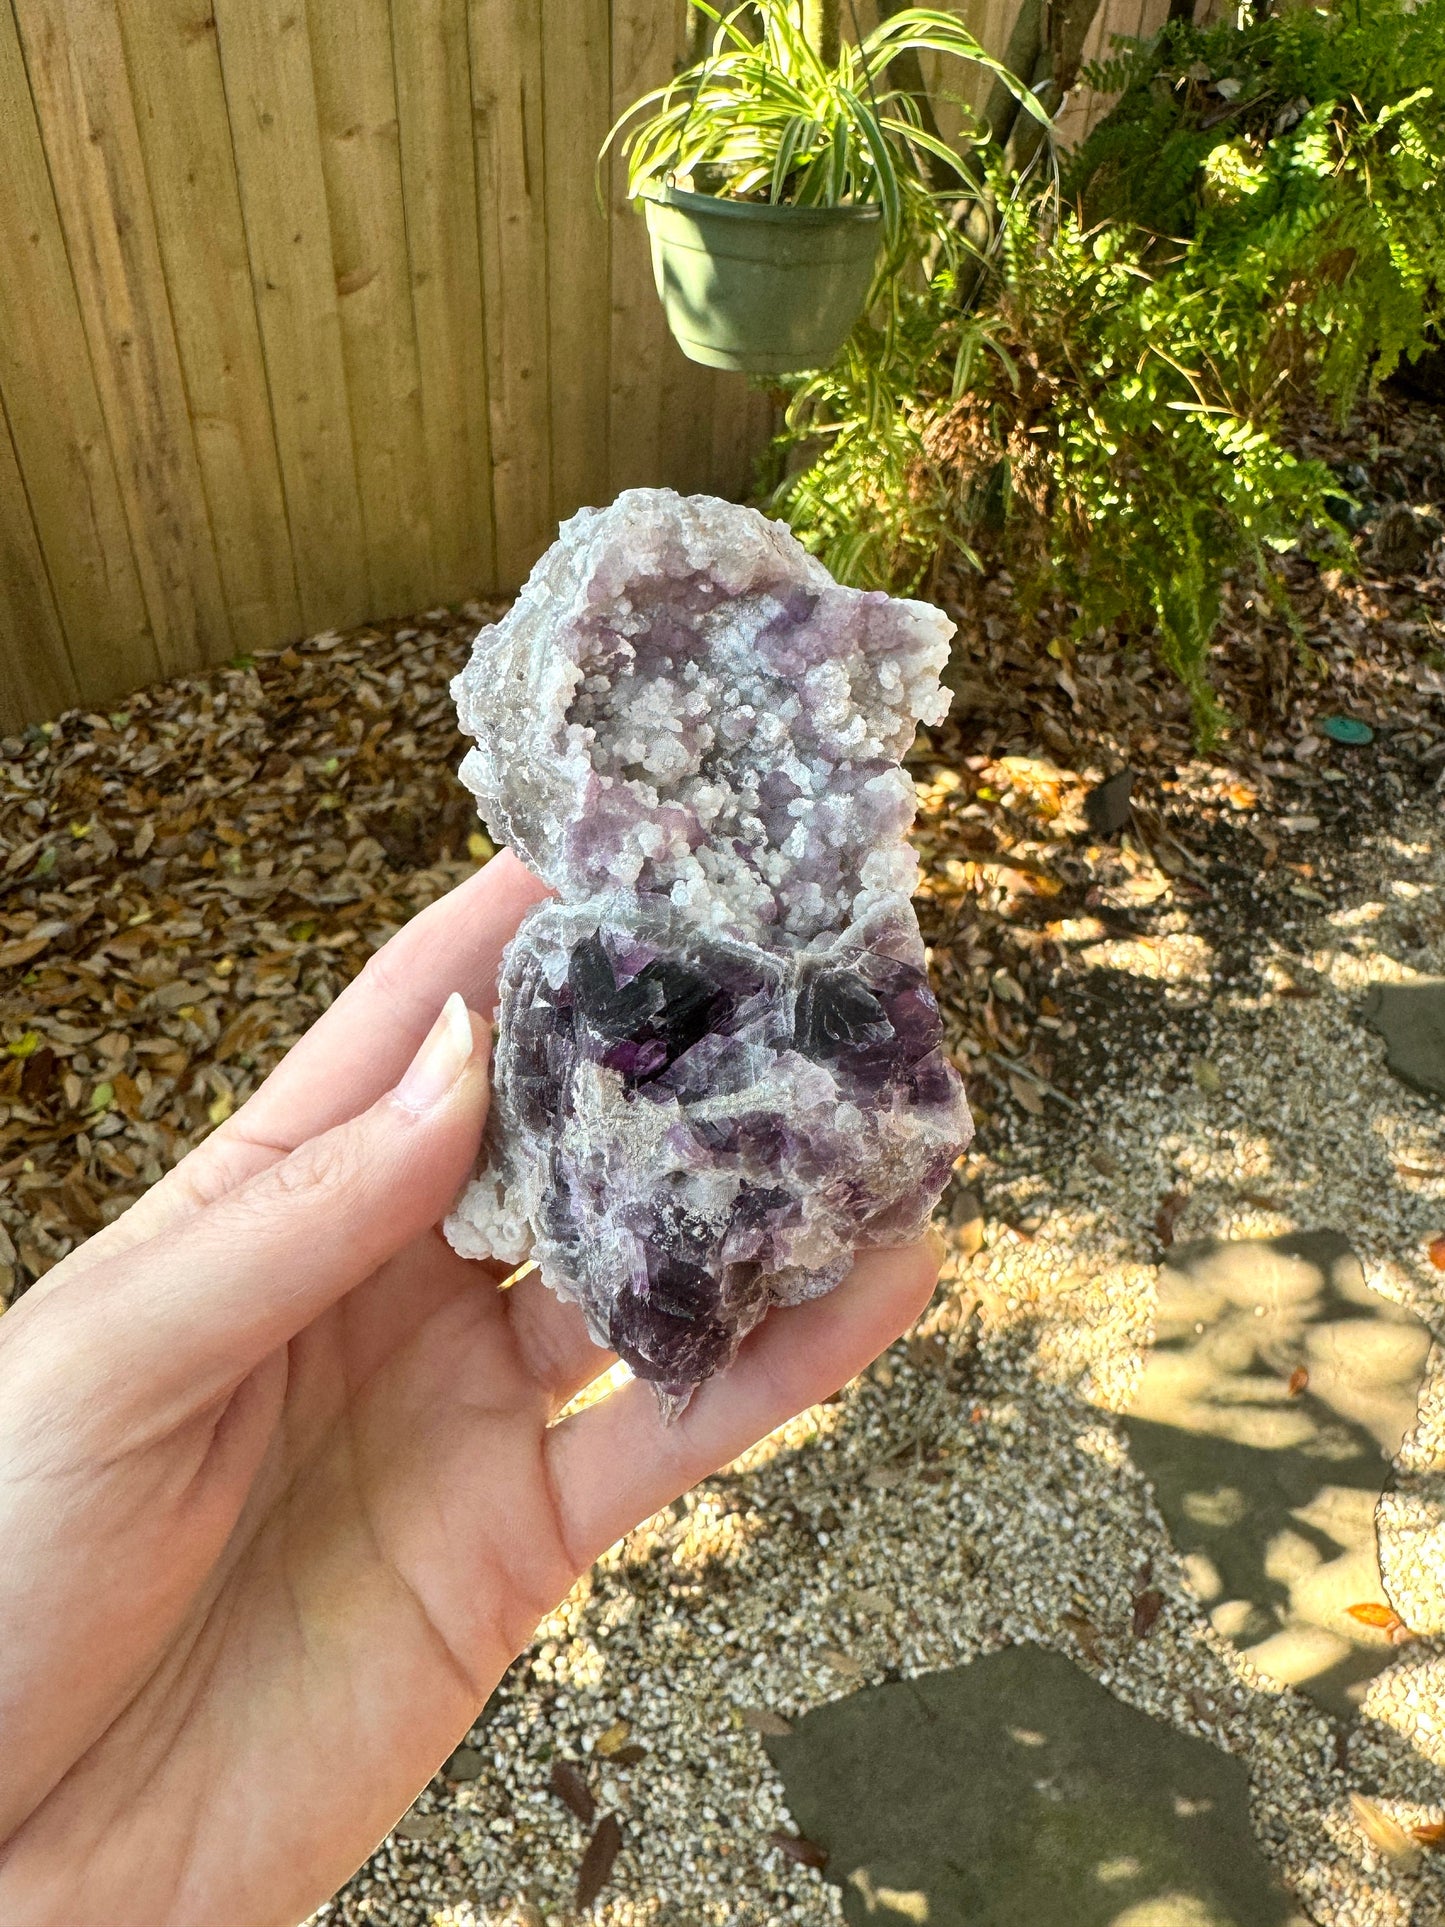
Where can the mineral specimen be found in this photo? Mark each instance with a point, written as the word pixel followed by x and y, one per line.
pixel 718 1064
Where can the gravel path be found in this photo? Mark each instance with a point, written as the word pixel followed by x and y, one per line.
pixel 973 1490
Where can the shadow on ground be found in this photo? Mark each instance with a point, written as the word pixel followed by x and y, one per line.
pixel 1014 1792
pixel 1277 1392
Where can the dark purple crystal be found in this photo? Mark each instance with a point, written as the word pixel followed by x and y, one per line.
pixel 699 1101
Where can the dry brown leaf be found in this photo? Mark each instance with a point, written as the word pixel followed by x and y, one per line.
pixel 79 1201
pixel 566 1781
pixel 244 1032
pixel 36 1074
pixel 1431 1833
pixel 1437 1252
pixel 127 1095
pixel 1383 1832
pixel 807 1853
pixel 598 1860
pixel 1147 1606
pixel 1086 1633
pixel 12 955
pixel 1166 1218
pixel 1298 1383
pixel 761 1719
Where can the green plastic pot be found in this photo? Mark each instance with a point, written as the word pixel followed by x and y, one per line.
pixel 762 289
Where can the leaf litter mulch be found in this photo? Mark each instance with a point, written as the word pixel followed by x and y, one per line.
pixel 187 882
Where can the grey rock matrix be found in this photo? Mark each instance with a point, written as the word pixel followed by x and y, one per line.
pixel 718 1064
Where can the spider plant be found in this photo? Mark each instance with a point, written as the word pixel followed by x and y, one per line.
pixel 764 117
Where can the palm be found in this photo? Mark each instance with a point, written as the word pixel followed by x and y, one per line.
pixel 331 1552
pixel 396 1448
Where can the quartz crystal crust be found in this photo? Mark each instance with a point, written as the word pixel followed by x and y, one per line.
pixel 718 1064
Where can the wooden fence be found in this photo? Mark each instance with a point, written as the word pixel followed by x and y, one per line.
pixel 308 315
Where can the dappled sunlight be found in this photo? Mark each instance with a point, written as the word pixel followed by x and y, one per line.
pixel 1410 1698
pixel 1358 968
pixel 603 1386
pixel 889 1903
pixel 1174 957
pixel 1357 916
pixel 1170 1910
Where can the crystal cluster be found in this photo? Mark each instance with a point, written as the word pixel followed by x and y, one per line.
pixel 718 1064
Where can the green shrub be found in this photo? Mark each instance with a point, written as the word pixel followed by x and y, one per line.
pixel 1103 407
pixel 1303 157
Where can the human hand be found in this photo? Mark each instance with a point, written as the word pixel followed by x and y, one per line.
pixel 278 1478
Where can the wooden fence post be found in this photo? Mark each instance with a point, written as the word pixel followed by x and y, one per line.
pixel 820 24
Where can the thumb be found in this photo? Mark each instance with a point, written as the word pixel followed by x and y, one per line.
pixel 181 1319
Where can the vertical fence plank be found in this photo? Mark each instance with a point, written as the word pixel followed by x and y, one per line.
pixel 689 392
pixel 36 678
pixel 175 76
pixel 1084 108
pixel 49 390
pixel 438 174
pixel 576 64
pixel 742 423
pixel 506 70
pixel 270 97
pixel 361 159
pixel 220 425
pixel 76 64
pixel 643 49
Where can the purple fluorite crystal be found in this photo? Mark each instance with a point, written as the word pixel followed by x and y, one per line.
pixel 718 1063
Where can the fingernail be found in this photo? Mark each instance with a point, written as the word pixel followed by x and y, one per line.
pixel 450 1045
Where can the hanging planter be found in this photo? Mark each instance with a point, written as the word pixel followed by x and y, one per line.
pixel 762 288
pixel 786 184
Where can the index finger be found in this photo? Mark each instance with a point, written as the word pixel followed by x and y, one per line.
pixel 364 1042
pixel 617 1462
pixel 349 1057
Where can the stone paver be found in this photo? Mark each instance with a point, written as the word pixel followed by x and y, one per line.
pixel 1411 1019
pixel 1015 1792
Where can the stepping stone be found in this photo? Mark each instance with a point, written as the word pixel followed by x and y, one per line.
pixel 1014 1792
pixel 1278 1390
pixel 1411 1019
